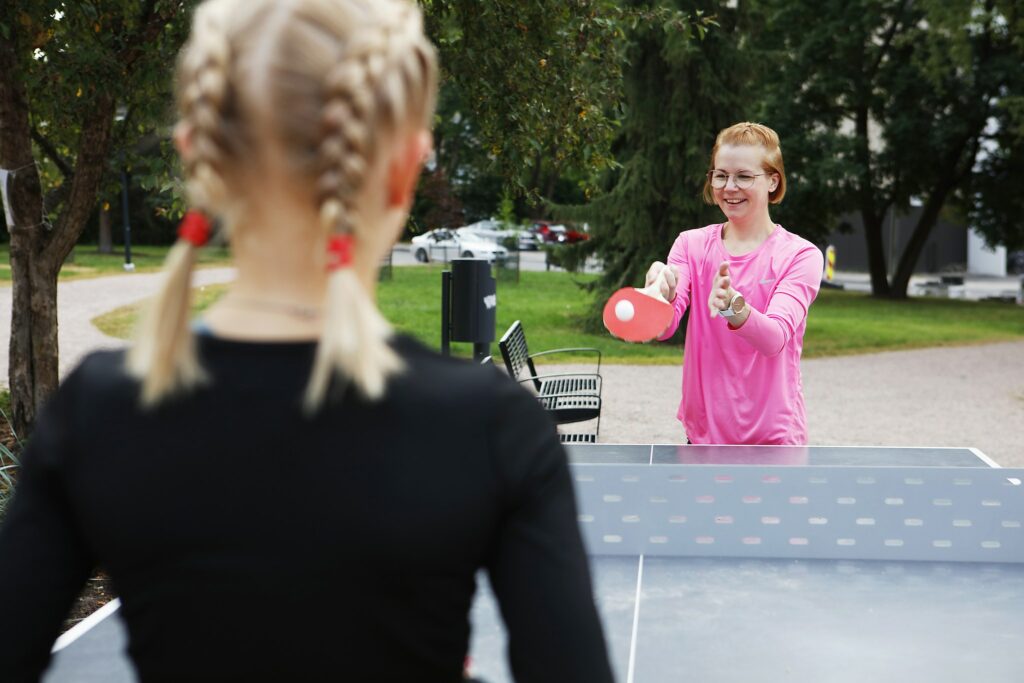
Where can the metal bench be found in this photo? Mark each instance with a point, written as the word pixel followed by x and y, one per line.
pixel 567 396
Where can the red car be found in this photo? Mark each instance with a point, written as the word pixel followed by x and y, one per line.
pixel 558 234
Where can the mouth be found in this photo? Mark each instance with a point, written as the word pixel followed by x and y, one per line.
pixel 734 202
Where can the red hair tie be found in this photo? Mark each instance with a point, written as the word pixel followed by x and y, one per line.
pixel 195 228
pixel 339 252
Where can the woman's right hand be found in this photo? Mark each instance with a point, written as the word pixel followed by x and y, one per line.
pixel 667 277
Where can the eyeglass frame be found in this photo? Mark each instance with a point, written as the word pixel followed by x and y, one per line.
pixel 735 178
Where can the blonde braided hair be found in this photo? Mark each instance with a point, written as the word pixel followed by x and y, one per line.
pixel 330 81
pixel 164 354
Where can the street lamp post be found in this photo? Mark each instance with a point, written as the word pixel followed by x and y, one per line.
pixel 128 265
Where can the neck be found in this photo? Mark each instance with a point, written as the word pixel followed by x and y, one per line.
pixel 755 230
pixel 274 248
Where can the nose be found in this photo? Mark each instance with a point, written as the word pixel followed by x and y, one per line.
pixel 731 180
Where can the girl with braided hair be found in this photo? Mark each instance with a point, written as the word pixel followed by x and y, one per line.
pixel 286 495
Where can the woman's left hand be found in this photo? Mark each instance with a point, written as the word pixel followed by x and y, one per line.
pixel 721 290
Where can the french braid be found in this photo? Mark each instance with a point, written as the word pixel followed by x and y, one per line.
pixel 329 81
pixel 164 354
pixel 370 84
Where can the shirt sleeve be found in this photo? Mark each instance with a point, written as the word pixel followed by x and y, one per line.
pixel 769 331
pixel 44 561
pixel 538 567
pixel 679 258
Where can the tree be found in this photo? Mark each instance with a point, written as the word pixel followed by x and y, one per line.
pixel 539 79
pixel 67 71
pixel 84 85
pixel 679 92
pixel 889 100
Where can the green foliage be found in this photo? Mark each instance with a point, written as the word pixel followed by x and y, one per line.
pixel 680 90
pixel 8 453
pixel 885 100
pixel 88 262
pixel 538 79
pixel 507 211
pixel 843 323
pixel 550 304
pixel 83 50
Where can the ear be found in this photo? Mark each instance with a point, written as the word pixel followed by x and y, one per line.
pixel 774 183
pixel 183 139
pixel 404 169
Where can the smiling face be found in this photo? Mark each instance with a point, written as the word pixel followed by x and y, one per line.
pixel 750 205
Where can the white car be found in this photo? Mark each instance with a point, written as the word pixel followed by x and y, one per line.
pixel 496 232
pixel 444 244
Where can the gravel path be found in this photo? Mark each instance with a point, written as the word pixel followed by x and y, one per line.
pixel 956 396
pixel 79 301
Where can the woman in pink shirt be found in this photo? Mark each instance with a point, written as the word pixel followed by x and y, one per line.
pixel 741 376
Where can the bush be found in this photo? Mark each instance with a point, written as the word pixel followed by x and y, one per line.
pixel 9 447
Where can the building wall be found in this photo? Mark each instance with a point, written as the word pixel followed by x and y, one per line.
pixel 945 250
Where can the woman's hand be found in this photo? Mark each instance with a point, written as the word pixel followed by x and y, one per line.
pixel 666 278
pixel 721 290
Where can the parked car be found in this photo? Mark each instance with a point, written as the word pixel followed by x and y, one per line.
pixel 522 240
pixel 445 244
pixel 558 234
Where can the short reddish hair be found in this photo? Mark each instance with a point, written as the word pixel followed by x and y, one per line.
pixel 754 134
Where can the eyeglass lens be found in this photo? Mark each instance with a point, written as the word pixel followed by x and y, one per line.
pixel 742 180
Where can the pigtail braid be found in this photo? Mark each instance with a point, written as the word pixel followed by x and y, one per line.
pixel 354 343
pixel 164 356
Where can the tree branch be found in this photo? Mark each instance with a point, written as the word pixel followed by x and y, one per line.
pixel 887 41
pixel 93 148
pixel 51 152
pixel 150 26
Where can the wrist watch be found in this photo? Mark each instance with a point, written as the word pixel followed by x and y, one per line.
pixel 736 304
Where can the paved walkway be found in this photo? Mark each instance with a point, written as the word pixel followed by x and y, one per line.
pixel 79 301
pixel 956 396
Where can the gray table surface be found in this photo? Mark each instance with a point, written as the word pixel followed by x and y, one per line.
pixel 740 619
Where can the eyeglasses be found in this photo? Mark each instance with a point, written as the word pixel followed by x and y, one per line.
pixel 744 181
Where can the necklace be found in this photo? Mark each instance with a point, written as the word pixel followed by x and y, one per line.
pixel 282 307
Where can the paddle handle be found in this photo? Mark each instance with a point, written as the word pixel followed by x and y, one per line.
pixel 653 290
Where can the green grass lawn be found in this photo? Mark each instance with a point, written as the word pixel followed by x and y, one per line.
pixel 86 261
pixel 550 304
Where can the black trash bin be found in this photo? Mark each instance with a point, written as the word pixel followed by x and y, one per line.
pixel 472 313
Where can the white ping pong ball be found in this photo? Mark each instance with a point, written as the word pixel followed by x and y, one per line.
pixel 624 311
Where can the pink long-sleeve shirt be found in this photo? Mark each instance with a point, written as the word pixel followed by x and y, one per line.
pixel 743 386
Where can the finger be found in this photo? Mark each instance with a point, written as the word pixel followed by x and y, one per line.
pixel 652 273
pixel 668 285
pixel 723 268
pixel 725 282
pixel 668 278
pixel 673 278
pixel 715 303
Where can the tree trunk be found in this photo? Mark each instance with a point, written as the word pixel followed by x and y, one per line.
pixel 45 367
pixel 37 253
pixel 20 375
pixel 876 254
pixel 26 206
pixel 870 214
pixel 912 252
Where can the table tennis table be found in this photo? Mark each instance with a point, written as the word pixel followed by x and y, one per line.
pixel 766 563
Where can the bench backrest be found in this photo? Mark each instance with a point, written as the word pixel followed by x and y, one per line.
pixel 516 354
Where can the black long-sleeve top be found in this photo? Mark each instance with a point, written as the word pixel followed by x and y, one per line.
pixel 249 542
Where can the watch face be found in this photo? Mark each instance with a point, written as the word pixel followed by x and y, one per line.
pixel 738 303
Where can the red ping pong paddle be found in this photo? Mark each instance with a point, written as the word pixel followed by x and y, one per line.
pixel 637 315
